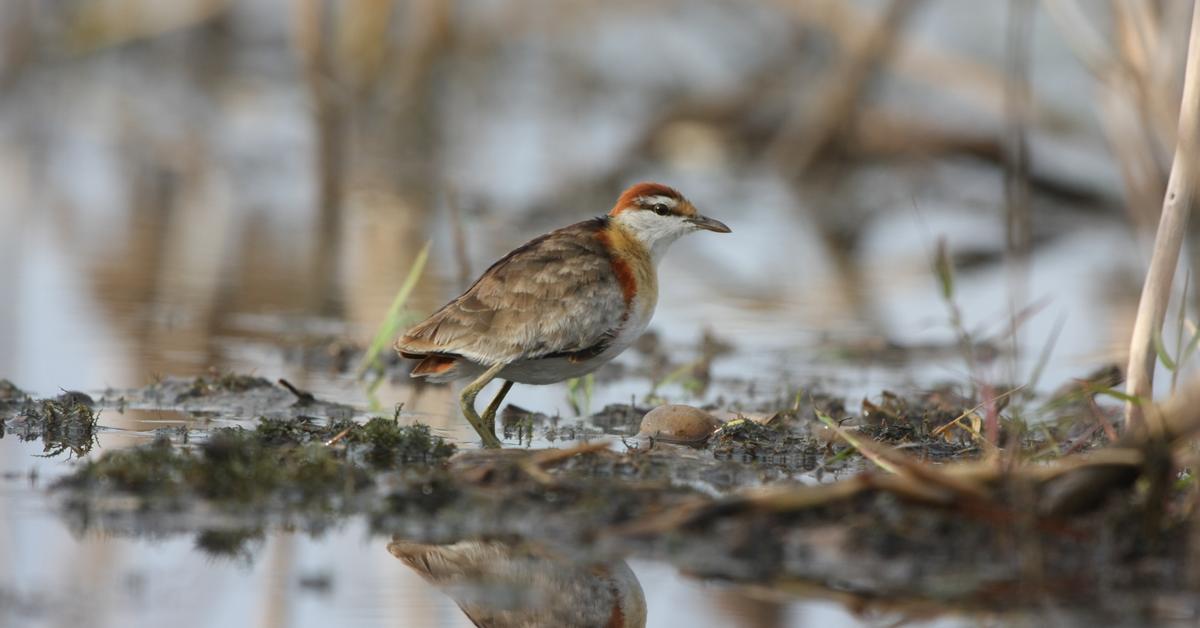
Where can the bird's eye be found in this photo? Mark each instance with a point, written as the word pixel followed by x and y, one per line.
pixel 661 209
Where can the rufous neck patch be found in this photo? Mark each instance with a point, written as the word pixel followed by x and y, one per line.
pixel 630 260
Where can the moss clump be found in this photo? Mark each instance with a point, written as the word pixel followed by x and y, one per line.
pixel 280 432
pixel 389 444
pixel 235 466
pixel 231 466
pixel 285 462
pixel 238 465
pixel 156 469
pixel 383 443
pixel 230 544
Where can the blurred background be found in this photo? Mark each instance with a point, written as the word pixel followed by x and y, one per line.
pixel 245 184
pixel 190 184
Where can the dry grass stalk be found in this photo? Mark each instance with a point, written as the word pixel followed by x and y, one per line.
pixel 1177 204
pixel 835 112
pixel 1138 86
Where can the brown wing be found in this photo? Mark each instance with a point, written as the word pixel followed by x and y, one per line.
pixel 557 294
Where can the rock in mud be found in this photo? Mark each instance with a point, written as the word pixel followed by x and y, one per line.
pixel 677 423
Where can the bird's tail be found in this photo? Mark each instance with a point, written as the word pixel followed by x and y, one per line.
pixel 434 367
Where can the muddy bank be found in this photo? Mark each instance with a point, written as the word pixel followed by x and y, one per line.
pixel 783 500
pixel 591 505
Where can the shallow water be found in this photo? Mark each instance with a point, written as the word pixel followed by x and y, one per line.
pixel 175 231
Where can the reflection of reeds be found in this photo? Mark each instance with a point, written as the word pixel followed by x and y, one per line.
pixel 313 47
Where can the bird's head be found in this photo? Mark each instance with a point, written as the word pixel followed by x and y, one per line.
pixel 657 215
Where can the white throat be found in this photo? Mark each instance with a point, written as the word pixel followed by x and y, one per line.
pixel 653 231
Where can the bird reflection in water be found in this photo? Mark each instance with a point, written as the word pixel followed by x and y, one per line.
pixel 519 584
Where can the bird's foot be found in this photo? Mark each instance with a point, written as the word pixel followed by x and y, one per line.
pixel 482 427
pixel 486 430
pixel 489 415
pixel 489 418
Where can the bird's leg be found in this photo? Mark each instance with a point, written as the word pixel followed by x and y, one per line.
pixel 489 415
pixel 467 402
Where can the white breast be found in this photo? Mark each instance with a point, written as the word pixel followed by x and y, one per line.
pixel 549 371
pixel 639 319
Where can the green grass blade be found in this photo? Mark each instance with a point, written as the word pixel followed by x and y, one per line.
pixel 1163 356
pixel 943 269
pixel 1119 395
pixel 392 320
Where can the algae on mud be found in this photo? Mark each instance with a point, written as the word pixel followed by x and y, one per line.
pixel 280 461
pixel 732 510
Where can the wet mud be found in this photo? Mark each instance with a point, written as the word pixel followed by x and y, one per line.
pixel 797 501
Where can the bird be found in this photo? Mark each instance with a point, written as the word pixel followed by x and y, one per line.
pixel 557 307
pixel 503 583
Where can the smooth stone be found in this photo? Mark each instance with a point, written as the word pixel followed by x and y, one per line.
pixel 678 423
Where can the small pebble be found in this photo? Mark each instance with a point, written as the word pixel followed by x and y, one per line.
pixel 677 423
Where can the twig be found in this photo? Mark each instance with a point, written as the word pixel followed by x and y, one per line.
pixel 867 452
pixel 535 465
pixel 956 421
pixel 551 457
pixel 303 397
pixel 339 436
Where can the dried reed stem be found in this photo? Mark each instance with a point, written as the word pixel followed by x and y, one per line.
pixel 1177 203
pixel 805 138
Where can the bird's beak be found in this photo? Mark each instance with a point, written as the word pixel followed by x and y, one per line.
pixel 709 224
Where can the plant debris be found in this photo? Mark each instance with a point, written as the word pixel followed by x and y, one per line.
pixel 732 510
pixel 63 424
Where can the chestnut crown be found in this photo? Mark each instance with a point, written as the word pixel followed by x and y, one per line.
pixel 658 214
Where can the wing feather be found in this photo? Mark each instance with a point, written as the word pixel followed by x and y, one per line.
pixel 556 294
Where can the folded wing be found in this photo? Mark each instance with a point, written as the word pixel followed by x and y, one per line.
pixel 556 295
